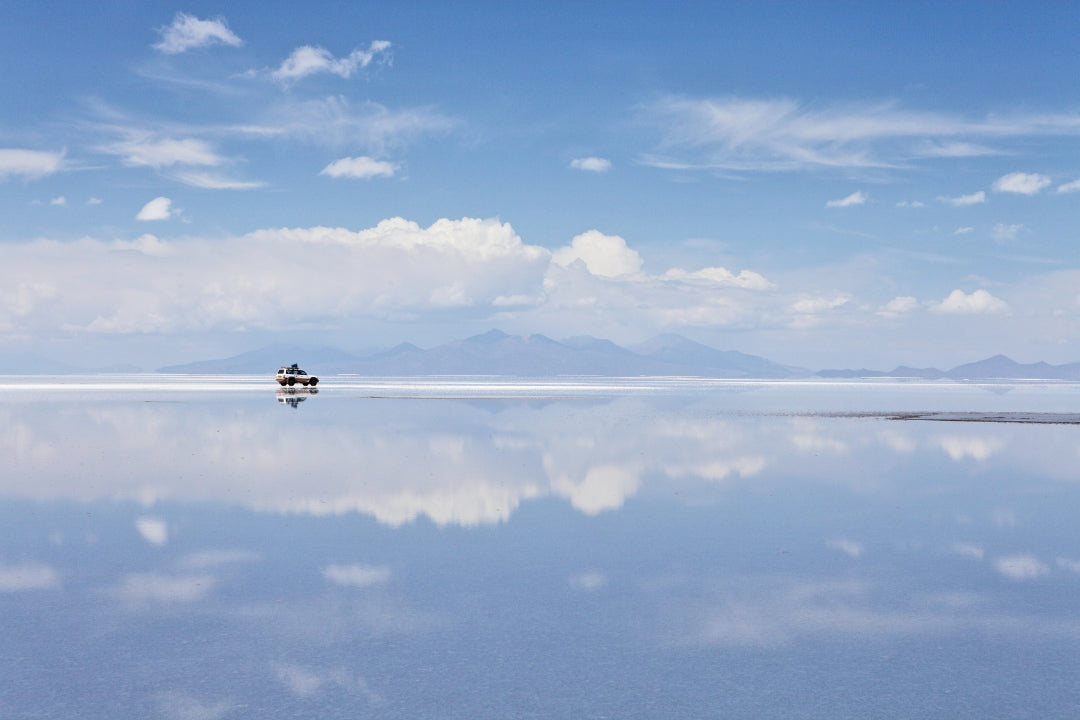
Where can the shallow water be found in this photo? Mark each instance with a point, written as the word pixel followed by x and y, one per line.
pixel 190 547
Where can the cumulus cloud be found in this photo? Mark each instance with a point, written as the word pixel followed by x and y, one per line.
pixel 855 198
pixel 603 255
pixel 591 164
pixel 361 167
pixel 898 306
pixel 357 575
pixel 978 302
pixel 160 208
pixel 605 487
pixel 309 60
pixel 1021 183
pixel 187 32
pixel 1021 567
pixel 29 164
pixel 27 576
pixel 974 198
pixel 720 276
pixel 1069 187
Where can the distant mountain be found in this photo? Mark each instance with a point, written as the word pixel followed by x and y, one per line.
pixel 998 367
pixel 497 353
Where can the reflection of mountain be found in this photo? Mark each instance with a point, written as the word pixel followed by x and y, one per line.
pixel 496 353
pixel 998 367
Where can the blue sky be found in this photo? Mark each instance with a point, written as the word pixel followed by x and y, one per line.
pixel 824 184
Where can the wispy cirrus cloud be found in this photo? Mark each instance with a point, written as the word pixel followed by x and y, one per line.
pixel 855 198
pixel 29 164
pixel 309 60
pixel 784 134
pixel 187 32
pixel 974 198
pixel 143 150
pixel 210 181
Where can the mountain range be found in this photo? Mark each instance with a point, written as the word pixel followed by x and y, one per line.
pixel 497 353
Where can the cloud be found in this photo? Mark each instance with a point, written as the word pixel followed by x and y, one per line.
pixel 898 306
pixel 94 201
pixel 976 448
pixel 208 181
pixel 309 60
pixel 848 547
pixel 357 575
pixel 160 208
pixel 855 198
pixel 361 167
pixel 143 151
pixel 720 276
pixel 29 164
pixel 1020 567
pixel 964 200
pixel 910 204
pixel 153 530
pixel 1069 187
pixel 966 230
pixel 967 550
pixel 603 255
pixel 27 576
pixel 139 588
pixel 604 487
pixel 58 201
pixel 1002 232
pixel 783 134
pixel 187 32
pixel 1021 183
pixel 591 164
pixel 978 302
pixel 588 581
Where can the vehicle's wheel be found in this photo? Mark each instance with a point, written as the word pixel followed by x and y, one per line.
pixel 292 381
pixel 313 382
pixel 281 383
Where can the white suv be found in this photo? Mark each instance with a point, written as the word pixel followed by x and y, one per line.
pixel 291 375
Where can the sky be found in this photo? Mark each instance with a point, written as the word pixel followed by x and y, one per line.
pixel 828 184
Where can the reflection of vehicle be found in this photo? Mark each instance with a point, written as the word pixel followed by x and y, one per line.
pixel 293 375
pixel 294 396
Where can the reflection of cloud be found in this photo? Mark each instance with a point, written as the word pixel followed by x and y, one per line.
pixel 153 530
pixel 27 576
pixel 179 706
pixel 210 559
pixel 588 581
pixel 139 588
pixel 848 547
pixel 967 550
pixel 357 575
pixel 306 683
pixel 818 444
pixel 1070 565
pixel 719 469
pixel 605 487
pixel 1020 567
pixel 975 448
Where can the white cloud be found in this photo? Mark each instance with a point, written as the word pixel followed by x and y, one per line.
pixel 308 60
pixel 58 201
pixel 720 276
pixel 29 164
pixel 93 201
pixel 966 230
pixel 209 181
pixel 1068 564
pixel 27 576
pixel 591 164
pixel 1069 187
pixel 605 487
pixel 1002 232
pixel 1021 183
pixel 898 306
pixel 361 167
pixel 603 255
pixel 357 575
pixel 855 198
pixel 815 305
pixel 974 198
pixel 153 530
pixel 968 550
pixel 911 204
pixel 160 208
pixel 784 134
pixel 1021 567
pixel 143 151
pixel 976 448
pixel 187 32
pixel 980 301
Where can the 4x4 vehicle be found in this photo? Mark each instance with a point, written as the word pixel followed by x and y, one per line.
pixel 292 375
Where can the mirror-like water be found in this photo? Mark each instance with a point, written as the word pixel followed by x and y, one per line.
pixel 573 548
